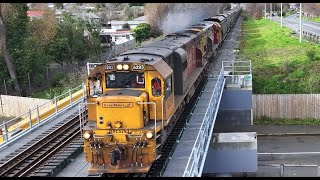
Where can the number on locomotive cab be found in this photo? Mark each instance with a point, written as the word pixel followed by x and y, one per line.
pixel 109 67
pixel 137 67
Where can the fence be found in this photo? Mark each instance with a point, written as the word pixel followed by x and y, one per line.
pixel 121 48
pixel 288 106
pixel 16 105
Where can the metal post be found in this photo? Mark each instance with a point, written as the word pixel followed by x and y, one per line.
pixel 70 94
pixel 30 119
pixel 56 104
pixel 5 132
pixel 38 117
pixel 1 105
pixel 281 170
pixel 281 14
pixel 300 39
pixel 265 10
pixel 270 11
pixel 5 87
pixel 83 90
pixel 232 71
pixel 80 120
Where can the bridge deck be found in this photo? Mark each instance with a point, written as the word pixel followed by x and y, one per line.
pixel 179 160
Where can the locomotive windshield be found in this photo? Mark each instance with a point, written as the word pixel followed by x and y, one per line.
pixel 125 80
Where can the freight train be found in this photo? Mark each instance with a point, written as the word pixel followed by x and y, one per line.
pixel 134 100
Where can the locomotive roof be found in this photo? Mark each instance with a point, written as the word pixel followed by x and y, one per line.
pixel 154 60
pixel 216 18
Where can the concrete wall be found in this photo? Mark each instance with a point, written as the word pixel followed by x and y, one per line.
pixel 16 105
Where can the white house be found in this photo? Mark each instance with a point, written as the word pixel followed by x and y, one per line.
pixel 133 23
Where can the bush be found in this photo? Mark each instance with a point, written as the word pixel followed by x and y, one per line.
pixel 142 32
pixel 126 26
pixel 58 80
pixel 311 55
pixel 283 13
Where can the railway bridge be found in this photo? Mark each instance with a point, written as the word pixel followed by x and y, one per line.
pixel 225 98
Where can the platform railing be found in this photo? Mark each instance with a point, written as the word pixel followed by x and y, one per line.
pixel 17 127
pixel 199 151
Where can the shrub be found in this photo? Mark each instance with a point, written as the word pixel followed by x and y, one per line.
pixel 283 13
pixel 142 32
pixel 126 26
pixel 311 55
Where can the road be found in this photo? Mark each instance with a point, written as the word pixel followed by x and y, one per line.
pixel 293 22
pixel 299 154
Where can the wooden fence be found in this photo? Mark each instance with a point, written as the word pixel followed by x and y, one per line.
pixel 16 105
pixel 288 106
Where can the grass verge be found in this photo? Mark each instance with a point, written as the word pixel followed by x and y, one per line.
pixel 282 121
pixel 280 64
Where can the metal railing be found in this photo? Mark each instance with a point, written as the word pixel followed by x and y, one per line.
pixel 199 151
pixel 19 126
pixel 282 169
pixel 237 70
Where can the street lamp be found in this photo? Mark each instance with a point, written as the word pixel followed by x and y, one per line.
pixel 300 23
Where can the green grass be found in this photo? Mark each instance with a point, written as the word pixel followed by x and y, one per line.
pixel 280 64
pixel 280 121
pixel 316 19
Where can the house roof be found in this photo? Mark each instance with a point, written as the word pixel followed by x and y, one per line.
pixel 35 13
pixel 86 15
pixel 114 23
pixel 141 18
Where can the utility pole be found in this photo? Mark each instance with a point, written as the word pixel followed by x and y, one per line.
pixel 300 23
pixel 265 10
pixel 281 14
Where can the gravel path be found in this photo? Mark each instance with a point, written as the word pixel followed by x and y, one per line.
pixel 227 50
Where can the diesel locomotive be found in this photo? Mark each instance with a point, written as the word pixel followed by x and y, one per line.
pixel 135 99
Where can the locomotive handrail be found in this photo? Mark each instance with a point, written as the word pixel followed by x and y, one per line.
pixel 155 119
pixel 198 154
pixel 162 111
pixel 80 117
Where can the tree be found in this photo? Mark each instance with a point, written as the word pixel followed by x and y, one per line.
pixel 70 44
pixel 136 4
pixel 142 32
pixel 5 51
pixel 59 5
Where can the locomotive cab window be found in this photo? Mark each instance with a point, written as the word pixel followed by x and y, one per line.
pixel 168 86
pixel 156 86
pixel 125 80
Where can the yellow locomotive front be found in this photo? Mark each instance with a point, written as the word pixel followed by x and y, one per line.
pixel 124 118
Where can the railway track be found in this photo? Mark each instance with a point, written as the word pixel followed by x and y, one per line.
pixel 36 158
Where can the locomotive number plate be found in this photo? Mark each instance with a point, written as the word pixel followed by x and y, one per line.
pixel 117 105
pixel 109 67
pixel 137 67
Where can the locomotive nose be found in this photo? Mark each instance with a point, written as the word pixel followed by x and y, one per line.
pixel 121 111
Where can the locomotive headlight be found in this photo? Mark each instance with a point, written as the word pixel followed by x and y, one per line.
pixel 86 135
pixel 125 67
pixel 119 67
pixel 149 134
